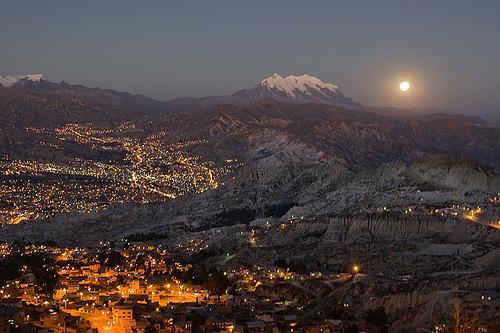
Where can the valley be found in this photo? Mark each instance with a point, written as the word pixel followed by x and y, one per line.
pixel 282 206
pixel 100 167
pixel 249 166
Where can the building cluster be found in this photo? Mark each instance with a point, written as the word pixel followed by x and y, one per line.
pixel 120 167
pixel 143 288
pixel 483 212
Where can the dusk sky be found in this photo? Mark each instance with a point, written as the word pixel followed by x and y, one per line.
pixel 448 50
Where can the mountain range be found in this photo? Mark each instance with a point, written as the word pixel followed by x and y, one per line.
pixel 270 132
pixel 292 89
pixel 306 179
pixel 281 119
pixel 38 84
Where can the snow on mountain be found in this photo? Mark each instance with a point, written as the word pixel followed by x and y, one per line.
pixel 38 84
pixel 296 89
pixel 10 80
pixel 291 84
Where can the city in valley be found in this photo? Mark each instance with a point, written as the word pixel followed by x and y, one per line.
pixel 270 217
pixel 120 166
pixel 248 219
pixel 195 284
pixel 249 166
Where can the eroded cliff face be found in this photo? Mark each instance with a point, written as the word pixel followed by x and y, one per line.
pixel 386 228
pixel 403 228
pixel 412 267
pixel 460 174
pixel 324 217
pixel 425 307
pixel 298 190
pixel 377 228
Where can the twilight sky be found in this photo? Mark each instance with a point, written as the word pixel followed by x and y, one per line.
pixel 448 50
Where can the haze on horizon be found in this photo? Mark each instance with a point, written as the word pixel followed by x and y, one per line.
pixel 448 50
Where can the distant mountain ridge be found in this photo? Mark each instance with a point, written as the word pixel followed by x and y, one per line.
pixel 20 109
pixel 297 121
pixel 291 89
pixel 299 89
pixel 11 80
pixel 39 84
pixel 296 89
pixel 270 132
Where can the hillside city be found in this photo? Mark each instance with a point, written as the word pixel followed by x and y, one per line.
pixel 249 166
pixel 142 171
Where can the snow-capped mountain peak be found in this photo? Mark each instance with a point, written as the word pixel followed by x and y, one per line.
pixel 10 80
pixel 292 84
pixel 303 88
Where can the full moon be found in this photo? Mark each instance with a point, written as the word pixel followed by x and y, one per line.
pixel 404 86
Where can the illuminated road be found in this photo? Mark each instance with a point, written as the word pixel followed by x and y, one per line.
pixel 318 298
pixel 98 321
